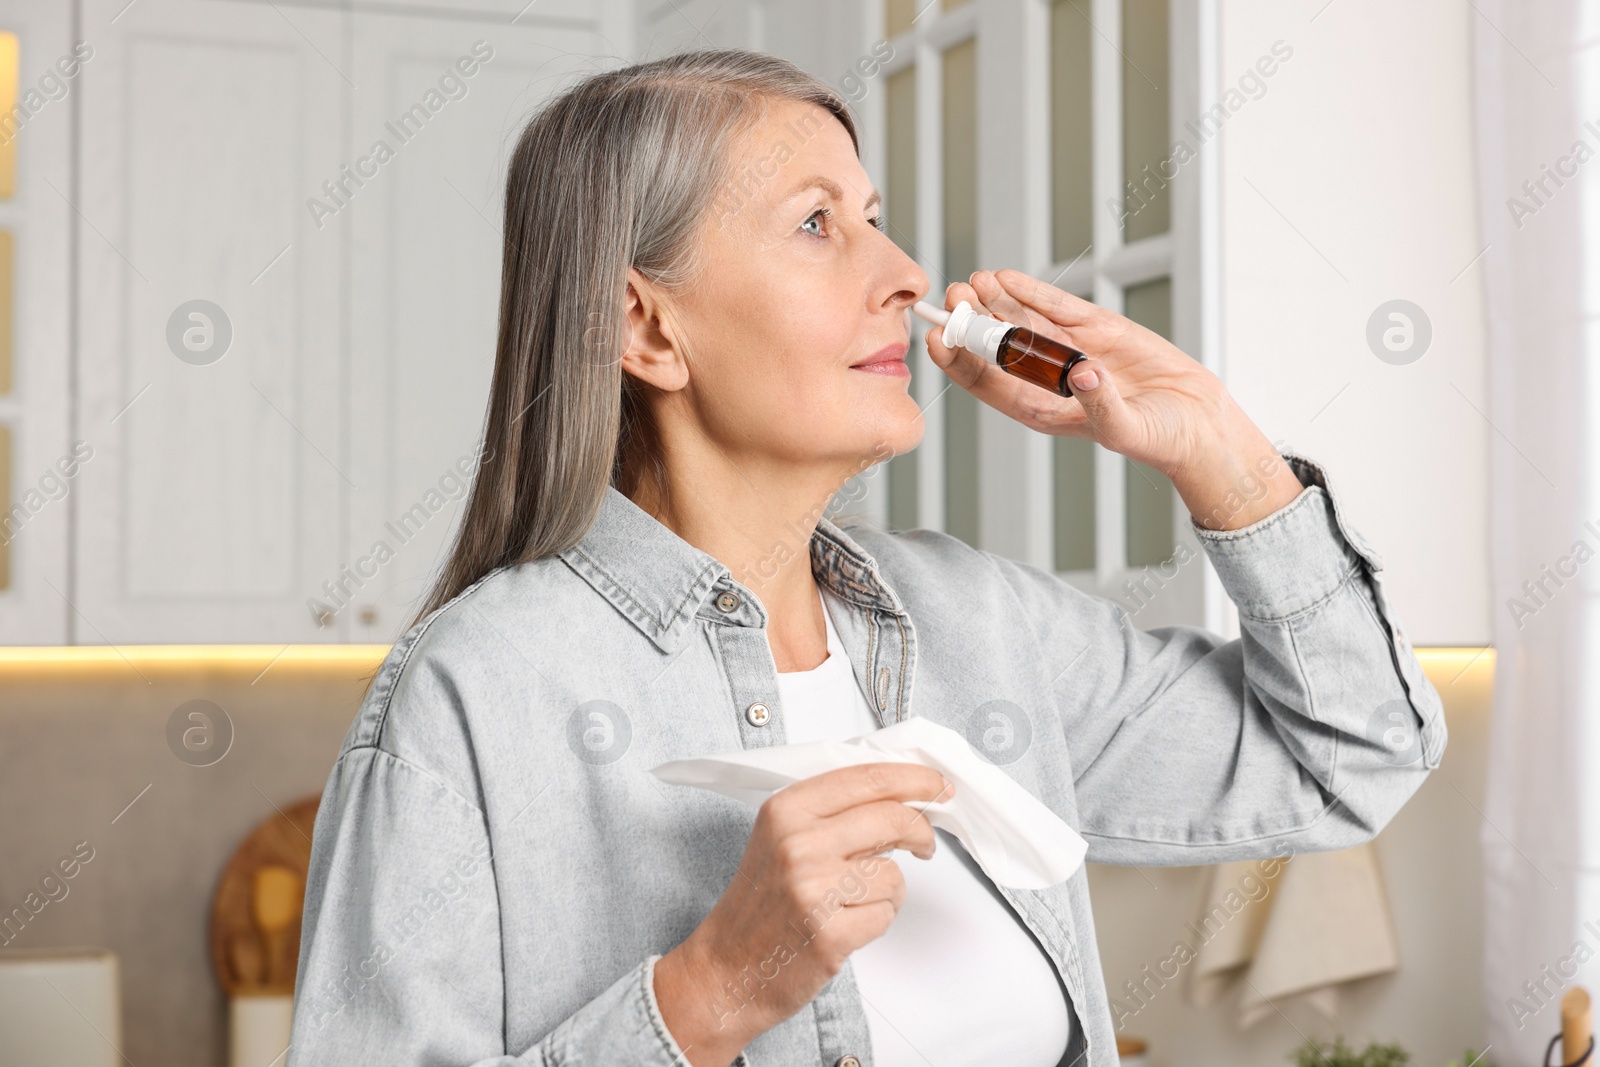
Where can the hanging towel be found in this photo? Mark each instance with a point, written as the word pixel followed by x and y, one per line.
pixel 1291 930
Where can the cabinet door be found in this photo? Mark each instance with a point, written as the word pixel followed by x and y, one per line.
pixel 210 379
pixel 424 230
pixel 38 467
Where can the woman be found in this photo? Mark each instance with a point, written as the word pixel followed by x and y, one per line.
pixel 702 336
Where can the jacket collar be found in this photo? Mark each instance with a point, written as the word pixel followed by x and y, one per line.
pixel 661 582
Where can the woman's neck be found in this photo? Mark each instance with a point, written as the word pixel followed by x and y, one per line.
pixel 763 537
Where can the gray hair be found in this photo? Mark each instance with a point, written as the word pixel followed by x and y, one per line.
pixel 618 171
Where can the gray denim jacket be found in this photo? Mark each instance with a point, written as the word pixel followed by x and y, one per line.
pixel 495 872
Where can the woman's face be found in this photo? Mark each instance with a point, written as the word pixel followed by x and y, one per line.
pixel 798 288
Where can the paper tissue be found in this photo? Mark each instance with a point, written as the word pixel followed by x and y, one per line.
pixel 1015 838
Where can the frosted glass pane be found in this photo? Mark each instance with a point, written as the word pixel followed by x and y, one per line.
pixel 960 134
pixel 1149 494
pixel 10 62
pixel 961 503
pixel 8 281
pixel 1073 501
pixel 1146 137
pixel 1149 516
pixel 900 196
pixel 897 15
pixel 951 5
pixel 1071 130
pixel 1150 305
pixel 6 531
pixel 900 211
pixel 959 126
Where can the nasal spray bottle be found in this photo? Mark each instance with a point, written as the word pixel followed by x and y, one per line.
pixel 1014 349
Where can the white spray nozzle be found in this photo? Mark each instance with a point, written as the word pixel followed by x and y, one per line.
pixel 965 328
pixel 977 333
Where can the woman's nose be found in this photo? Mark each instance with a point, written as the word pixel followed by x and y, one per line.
pixel 908 281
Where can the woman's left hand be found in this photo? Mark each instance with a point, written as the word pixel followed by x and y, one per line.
pixel 1146 399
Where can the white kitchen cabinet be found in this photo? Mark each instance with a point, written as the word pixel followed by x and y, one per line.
pixel 38 472
pixel 218 481
pixel 235 494
pixel 424 307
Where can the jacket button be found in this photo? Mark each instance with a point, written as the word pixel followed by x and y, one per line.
pixel 847 1061
pixel 757 714
pixel 727 601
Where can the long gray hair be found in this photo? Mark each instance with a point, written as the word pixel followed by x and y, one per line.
pixel 620 170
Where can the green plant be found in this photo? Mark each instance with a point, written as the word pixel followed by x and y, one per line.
pixel 1338 1054
pixel 1471 1058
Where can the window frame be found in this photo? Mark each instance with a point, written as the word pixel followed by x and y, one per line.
pixel 1014 211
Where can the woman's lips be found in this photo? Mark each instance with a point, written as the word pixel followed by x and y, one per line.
pixel 890 360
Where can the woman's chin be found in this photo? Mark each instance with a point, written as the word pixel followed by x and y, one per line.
pixel 899 426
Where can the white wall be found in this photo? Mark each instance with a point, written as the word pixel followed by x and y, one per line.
pixel 1349 183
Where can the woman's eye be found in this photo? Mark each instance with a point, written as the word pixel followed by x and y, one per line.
pixel 821 214
pixel 824 215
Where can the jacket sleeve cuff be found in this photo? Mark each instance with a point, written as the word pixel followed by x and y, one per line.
pixel 1292 559
pixel 621 1025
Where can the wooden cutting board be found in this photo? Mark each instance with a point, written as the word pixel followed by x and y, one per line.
pixel 255 916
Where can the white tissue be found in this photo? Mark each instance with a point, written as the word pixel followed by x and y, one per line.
pixel 1015 839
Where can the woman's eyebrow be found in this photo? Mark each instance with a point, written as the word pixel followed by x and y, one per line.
pixel 831 187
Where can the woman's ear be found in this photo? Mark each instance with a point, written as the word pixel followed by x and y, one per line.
pixel 651 353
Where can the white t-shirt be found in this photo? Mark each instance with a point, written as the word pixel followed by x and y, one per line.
pixel 957 979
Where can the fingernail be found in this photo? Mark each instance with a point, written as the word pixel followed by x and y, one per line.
pixel 1085 379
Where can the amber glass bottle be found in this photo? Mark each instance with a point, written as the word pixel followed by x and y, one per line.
pixel 1014 349
pixel 1037 359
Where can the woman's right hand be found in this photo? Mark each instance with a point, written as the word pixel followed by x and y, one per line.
pixel 811 888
